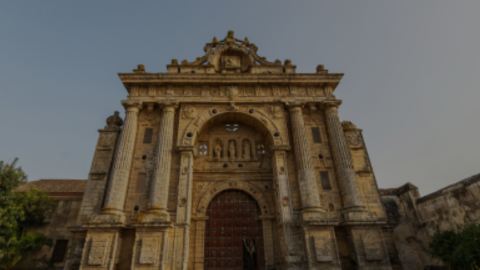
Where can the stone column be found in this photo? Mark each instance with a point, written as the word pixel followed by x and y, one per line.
pixel 352 197
pixel 303 160
pixel 158 196
pixel 122 161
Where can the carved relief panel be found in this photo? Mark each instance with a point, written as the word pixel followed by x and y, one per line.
pixel 98 251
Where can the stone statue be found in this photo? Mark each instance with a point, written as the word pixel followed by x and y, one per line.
pixel 218 151
pixel 231 149
pixel 246 152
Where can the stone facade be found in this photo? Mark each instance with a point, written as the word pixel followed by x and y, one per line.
pixel 233 121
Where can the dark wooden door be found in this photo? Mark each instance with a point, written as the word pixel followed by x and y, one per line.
pixel 233 218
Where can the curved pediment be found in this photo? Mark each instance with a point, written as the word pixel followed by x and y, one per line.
pixel 231 55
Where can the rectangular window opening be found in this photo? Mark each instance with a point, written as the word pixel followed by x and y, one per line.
pixel 147 137
pixel 325 181
pixel 59 251
pixel 316 135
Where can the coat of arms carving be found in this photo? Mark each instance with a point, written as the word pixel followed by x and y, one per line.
pixel 232 91
pixel 276 111
pixel 189 111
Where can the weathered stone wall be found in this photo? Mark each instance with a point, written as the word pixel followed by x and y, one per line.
pixel 414 219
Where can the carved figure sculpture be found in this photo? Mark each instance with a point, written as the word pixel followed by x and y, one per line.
pixel 218 151
pixel 246 151
pixel 231 149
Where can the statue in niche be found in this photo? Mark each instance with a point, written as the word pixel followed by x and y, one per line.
pixel 231 150
pixel 246 151
pixel 218 151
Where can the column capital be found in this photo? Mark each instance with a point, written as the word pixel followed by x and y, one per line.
pixel 331 104
pixel 134 105
pixel 295 105
pixel 166 104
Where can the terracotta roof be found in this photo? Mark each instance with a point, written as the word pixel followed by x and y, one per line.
pixel 55 186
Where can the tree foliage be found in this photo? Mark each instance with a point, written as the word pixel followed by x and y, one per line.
pixel 15 247
pixel 18 212
pixel 20 209
pixel 457 249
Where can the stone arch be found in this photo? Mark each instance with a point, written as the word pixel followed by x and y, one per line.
pixel 258 120
pixel 248 188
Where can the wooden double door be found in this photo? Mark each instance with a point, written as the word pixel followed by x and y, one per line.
pixel 233 234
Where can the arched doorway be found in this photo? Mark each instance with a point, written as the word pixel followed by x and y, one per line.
pixel 233 233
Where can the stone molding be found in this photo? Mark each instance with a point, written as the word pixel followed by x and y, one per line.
pixel 250 189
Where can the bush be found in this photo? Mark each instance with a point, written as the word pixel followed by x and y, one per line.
pixel 457 249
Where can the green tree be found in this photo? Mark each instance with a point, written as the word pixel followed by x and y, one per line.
pixel 15 247
pixel 457 249
pixel 18 212
pixel 21 209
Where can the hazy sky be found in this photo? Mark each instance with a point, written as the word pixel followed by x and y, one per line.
pixel 411 73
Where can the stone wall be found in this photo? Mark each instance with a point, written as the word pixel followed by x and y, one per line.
pixel 414 219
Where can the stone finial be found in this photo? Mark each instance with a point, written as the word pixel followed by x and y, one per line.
pixel 348 126
pixel 174 62
pixel 230 34
pixel 114 122
pixel 214 41
pixel 320 68
pixel 140 69
pixel 287 62
pixel 246 42
pixel 184 63
pixel 277 63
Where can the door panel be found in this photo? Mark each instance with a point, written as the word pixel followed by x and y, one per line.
pixel 233 217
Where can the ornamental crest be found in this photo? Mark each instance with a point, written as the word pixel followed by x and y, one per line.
pixel 189 111
pixel 276 111
pixel 353 138
pixel 232 91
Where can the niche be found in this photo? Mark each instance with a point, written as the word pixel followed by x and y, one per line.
pixel 247 150
pixel 217 149
pixel 232 149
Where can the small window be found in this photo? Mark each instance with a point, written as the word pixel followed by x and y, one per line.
pixel 231 126
pixel 147 137
pixel 59 251
pixel 325 181
pixel 202 150
pixel 141 179
pixel 316 135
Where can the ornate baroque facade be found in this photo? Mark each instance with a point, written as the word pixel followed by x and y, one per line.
pixel 231 162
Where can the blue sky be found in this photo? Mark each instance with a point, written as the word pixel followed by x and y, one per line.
pixel 410 83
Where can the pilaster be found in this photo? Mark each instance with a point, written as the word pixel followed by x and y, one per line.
pixel 184 207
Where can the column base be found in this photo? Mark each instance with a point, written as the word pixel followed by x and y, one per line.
pixel 314 213
pixel 107 218
pixel 154 215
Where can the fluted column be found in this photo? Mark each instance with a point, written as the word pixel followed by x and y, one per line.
pixel 304 163
pixel 158 197
pixel 122 161
pixel 352 197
